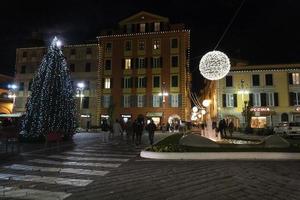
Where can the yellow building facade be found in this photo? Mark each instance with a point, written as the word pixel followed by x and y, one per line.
pixel 271 93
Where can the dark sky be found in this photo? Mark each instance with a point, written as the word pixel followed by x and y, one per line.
pixel 263 32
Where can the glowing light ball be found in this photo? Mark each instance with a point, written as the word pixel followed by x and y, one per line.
pixel 206 103
pixel 195 109
pixel 214 65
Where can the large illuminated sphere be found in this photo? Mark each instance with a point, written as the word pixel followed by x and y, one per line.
pixel 195 109
pixel 206 103
pixel 214 65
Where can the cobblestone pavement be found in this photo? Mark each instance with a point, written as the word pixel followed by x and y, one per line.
pixel 94 169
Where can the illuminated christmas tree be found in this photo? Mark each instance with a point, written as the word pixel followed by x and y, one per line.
pixel 51 106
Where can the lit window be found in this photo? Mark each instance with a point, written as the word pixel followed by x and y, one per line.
pixel 107 83
pixel 127 63
pixel 296 78
pixel 229 100
pixel 156 44
pixel 156 100
pixel 126 101
pixel 127 82
pixel 270 99
pixel 156 26
pixel 141 63
pixel 141 82
pixel 256 99
pixel 142 28
pixel 140 100
pixel 156 62
pixel 174 100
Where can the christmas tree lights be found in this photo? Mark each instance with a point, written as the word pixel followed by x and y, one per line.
pixel 51 106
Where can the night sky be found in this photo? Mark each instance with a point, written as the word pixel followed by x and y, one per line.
pixel 263 32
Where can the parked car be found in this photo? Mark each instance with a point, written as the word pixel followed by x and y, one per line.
pixel 287 129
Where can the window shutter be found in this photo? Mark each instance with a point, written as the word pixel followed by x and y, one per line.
pixel 124 29
pixel 103 83
pixel 250 99
pixel 161 62
pixel 146 62
pixel 150 101
pixel 162 26
pixel 151 62
pixel 122 101
pixel 136 82
pixel 144 101
pixel 122 83
pixel 111 100
pixel 133 28
pixel 235 100
pixel 131 82
pixel 290 79
pixel 224 100
pixel 152 27
pixel 276 103
pixel 136 63
pixel 263 99
pixel 137 28
pixel 145 82
pixel 160 101
pixel 179 100
pixel 292 98
pixel 170 100
pixel 111 82
pixel 147 27
pixel 132 63
pixel 123 63
pixel 102 99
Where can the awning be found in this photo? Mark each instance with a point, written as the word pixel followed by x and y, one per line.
pixel 11 115
pixel 154 114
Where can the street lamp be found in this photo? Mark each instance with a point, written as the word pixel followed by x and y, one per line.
pixel 243 92
pixel 80 88
pixel 12 93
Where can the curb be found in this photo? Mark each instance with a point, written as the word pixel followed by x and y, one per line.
pixel 221 155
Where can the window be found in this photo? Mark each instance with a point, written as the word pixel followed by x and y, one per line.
pixel 88 51
pixel 72 67
pixel 141 63
pixel 229 100
pixel 85 102
pixel 270 99
pixel 255 80
pixel 21 86
pixel 107 83
pixel 23 69
pixel 296 78
pixel 156 81
pixel 156 100
pixel 269 79
pixel 174 43
pixel 156 44
pixel 141 82
pixel 174 81
pixel 156 26
pixel 140 101
pixel 73 51
pixel 87 67
pixel 127 45
pixel 127 82
pixel 141 45
pixel 127 63
pixel 294 98
pixel 174 100
pixel 156 62
pixel 256 99
pixel 108 47
pixel 24 54
pixel 142 28
pixel 128 28
pixel 126 101
pixel 107 65
pixel 174 61
pixel 106 101
pixel 229 81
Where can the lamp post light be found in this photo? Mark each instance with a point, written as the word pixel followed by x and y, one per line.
pixel 243 92
pixel 12 93
pixel 80 88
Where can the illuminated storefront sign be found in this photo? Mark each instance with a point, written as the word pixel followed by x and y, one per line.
pixel 258 122
pixel 85 116
pixel 260 109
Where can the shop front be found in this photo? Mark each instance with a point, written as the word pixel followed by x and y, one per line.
pixel 155 116
pixel 296 114
pixel 262 117
pixel 126 117
pixel 85 121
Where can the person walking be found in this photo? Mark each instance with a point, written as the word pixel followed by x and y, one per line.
pixel 129 130
pixel 221 128
pixel 105 129
pixel 151 128
pixel 231 128
pixel 117 129
pixel 139 130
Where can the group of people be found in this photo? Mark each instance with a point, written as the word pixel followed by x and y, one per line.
pixel 222 127
pixel 132 129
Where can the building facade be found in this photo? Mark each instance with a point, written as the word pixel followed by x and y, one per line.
pixel 82 61
pixel 6 96
pixel 144 70
pixel 271 93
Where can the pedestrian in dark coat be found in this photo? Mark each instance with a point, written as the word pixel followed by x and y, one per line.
pixel 151 127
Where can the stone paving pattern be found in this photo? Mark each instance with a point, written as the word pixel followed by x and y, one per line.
pixel 147 179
